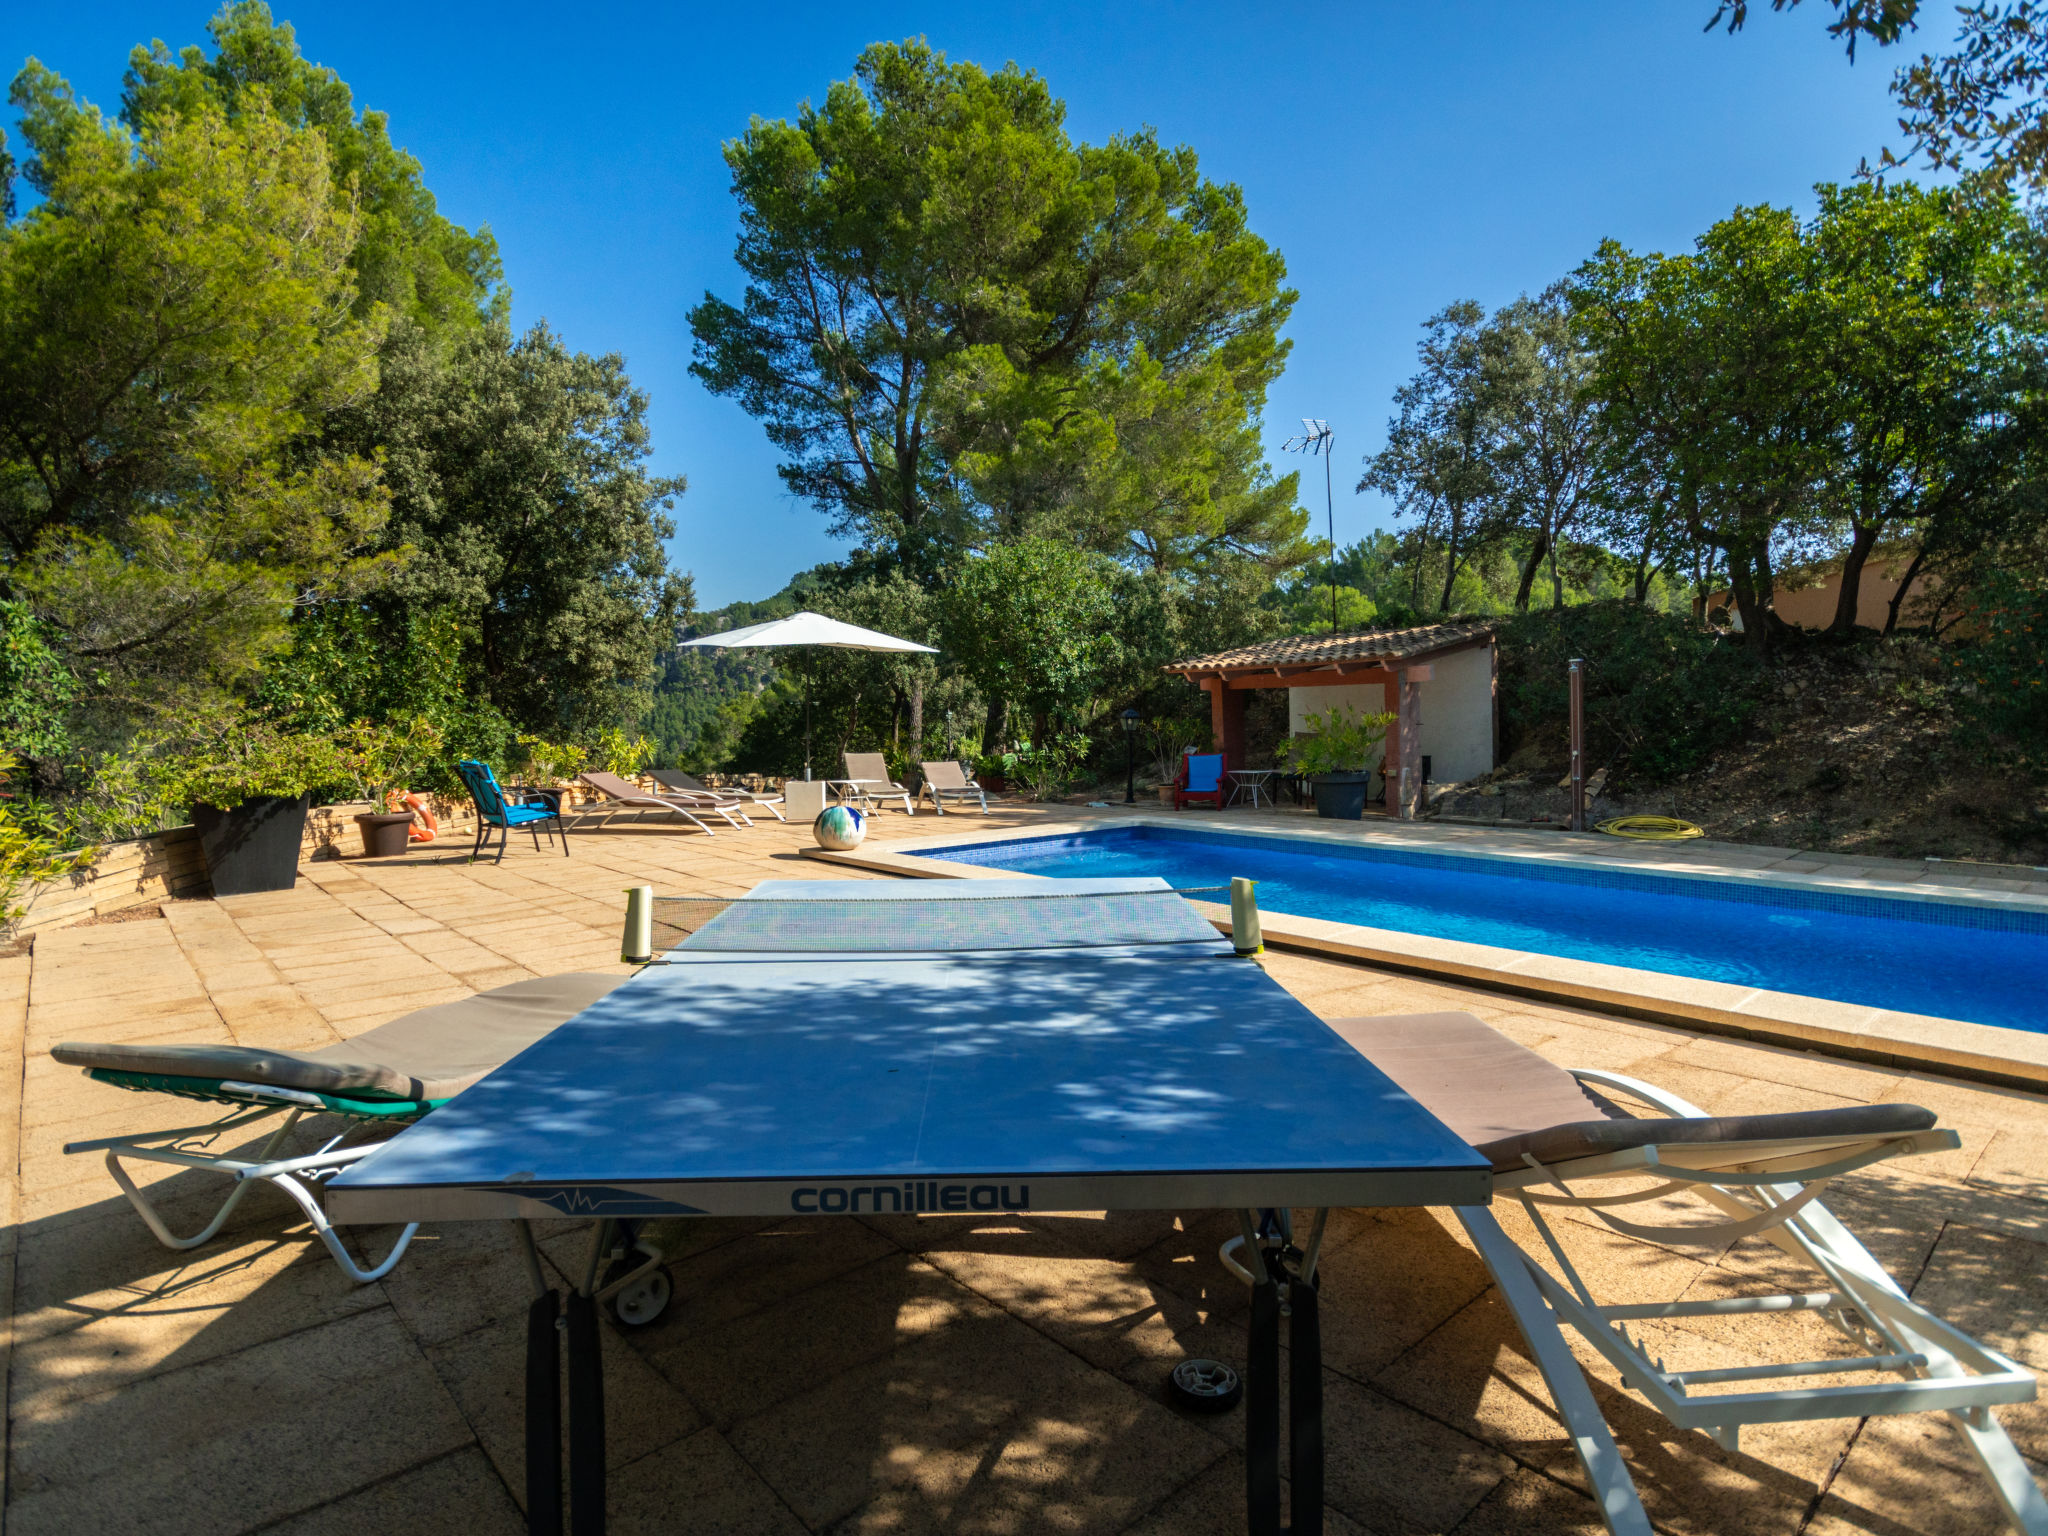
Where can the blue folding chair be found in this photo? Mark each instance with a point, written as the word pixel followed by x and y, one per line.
pixel 503 809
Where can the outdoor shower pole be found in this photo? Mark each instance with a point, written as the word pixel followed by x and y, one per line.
pixel 1578 728
pixel 1130 719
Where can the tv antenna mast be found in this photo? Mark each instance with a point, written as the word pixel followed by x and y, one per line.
pixel 1317 438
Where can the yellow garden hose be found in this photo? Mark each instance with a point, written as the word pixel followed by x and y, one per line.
pixel 1652 829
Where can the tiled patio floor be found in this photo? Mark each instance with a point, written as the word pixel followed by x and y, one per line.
pixel 866 1375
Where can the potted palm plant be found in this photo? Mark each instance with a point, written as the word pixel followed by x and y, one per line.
pixel 249 794
pixel 1336 751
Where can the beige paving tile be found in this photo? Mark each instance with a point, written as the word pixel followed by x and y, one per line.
pixel 1993 1286
pixel 1392 1468
pixel 104 1305
pixel 485 1372
pixel 1213 1505
pixel 767 1356
pixel 698 1484
pixel 1907 1473
pixel 1525 1503
pixel 454 1495
pixel 1097 1308
pixel 1043 1443
pixel 206 1450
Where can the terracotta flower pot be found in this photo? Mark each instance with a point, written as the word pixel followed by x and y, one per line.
pixel 385 833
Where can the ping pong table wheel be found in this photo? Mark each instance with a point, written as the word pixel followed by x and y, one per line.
pixel 638 1304
pixel 1206 1386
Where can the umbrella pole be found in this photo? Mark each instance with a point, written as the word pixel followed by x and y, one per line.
pixel 807 725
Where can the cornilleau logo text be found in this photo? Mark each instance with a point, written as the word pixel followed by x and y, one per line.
pixel 918 1195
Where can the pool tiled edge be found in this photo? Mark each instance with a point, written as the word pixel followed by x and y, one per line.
pixel 1984 1052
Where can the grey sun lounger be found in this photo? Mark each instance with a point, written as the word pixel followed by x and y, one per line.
pixel 949 778
pixel 867 775
pixel 621 796
pixel 675 779
pixel 1574 1140
pixel 388 1076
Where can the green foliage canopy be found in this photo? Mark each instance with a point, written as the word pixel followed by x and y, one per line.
pixel 962 327
pixel 172 314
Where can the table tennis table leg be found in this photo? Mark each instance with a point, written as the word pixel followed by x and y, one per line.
pixel 543 1396
pixel 586 1418
pixel 586 1397
pixel 1283 1283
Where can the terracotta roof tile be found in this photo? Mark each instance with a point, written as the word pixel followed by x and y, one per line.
pixel 1368 645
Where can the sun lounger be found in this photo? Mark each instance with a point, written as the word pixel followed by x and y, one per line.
pixel 388 1076
pixel 1564 1140
pixel 949 778
pixel 676 779
pixel 867 775
pixel 621 796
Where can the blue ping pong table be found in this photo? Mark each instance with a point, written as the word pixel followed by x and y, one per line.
pixel 879 1047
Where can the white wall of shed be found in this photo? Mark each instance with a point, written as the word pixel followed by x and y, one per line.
pixel 1457 711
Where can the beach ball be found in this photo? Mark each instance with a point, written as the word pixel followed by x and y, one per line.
pixel 839 827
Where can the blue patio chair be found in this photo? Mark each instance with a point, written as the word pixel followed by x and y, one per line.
pixel 506 809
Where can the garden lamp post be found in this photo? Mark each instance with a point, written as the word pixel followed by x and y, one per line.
pixel 1130 718
pixel 1317 438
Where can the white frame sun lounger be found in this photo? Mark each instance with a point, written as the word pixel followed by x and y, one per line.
pixel 1548 1136
pixel 676 780
pixel 387 1076
pixel 621 796
pixel 867 775
pixel 962 784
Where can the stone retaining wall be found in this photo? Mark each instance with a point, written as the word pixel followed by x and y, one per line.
pixel 149 869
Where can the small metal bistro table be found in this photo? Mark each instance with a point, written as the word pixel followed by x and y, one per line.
pixel 1253 782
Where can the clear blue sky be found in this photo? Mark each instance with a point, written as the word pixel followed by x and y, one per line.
pixel 1400 156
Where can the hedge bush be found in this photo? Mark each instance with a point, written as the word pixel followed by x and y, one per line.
pixel 1660 694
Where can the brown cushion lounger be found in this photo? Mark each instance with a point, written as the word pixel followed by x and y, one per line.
pixel 1506 1100
pixel 431 1053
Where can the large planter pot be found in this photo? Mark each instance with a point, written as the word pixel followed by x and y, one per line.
pixel 386 834
pixel 1341 796
pixel 253 846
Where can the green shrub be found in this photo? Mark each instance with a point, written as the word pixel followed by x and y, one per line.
pixel 252 761
pixel 1044 771
pixel 27 856
pixel 545 764
pixel 616 752
pixel 1660 694
pixel 36 688
pixel 1339 741
pixel 2003 668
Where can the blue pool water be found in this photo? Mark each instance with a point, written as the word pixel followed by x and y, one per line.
pixel 1987 966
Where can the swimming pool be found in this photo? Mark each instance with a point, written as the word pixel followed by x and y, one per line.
pixel 1985 965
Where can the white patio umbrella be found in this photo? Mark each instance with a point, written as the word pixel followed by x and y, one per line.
pixel 808 629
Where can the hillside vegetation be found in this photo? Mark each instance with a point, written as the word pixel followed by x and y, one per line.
pixel 1894 746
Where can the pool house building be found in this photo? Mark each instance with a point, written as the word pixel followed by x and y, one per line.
pixel 1440 679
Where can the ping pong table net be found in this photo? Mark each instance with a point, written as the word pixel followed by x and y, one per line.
pixel 884 924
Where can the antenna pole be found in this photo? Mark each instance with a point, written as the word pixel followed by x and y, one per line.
pixel 1330 511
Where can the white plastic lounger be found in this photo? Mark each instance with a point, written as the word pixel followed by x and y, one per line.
pixel 867 775
pixel 390 1076
pixel 621 796
pixel 949 778
pixel 682 783
pixel 1557 1139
